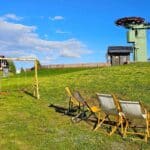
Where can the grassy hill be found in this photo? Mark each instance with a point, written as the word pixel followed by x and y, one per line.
pixel 27 123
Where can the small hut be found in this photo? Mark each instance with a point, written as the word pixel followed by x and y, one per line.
pixel 3 63
pixel 119 55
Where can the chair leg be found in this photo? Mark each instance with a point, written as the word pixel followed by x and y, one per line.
pixel 100 123
pixel 98 120
pixel 120 123
pixel 125 129
pixel 147 127
pixel 145 138
pixel 70 106
pixel 122 130
pixel 97 116
pixel 147 130
pixel 115 128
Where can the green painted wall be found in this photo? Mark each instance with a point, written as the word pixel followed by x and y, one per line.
pixel 137 36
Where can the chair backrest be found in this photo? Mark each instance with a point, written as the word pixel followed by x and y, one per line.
pixel 82 101
pixel 68 91
pixel 132 109
pixel 71 96
pixel 78 96
pixel 108 104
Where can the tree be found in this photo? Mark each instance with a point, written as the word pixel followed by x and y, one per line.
pixel 22 70
pixel 39 64
pixel 12 67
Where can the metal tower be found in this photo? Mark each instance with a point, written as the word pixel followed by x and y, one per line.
pixel 136 34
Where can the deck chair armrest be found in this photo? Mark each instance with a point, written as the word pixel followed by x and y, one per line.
pixel 95 109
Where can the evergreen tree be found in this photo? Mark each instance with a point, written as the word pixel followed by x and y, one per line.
pixel 39 64
pixel 22 70
pixel 12 67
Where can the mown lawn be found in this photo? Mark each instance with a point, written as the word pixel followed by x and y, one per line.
pixel 27 123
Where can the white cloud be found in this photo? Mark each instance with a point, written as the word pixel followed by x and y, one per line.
pixel 18 40
pixel 56 18
pixel 10 17
pixel 47 60
pixel 61 32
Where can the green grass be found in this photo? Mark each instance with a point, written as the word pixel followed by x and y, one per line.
pixel 27 123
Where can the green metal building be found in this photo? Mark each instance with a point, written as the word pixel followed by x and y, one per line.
pixel 136 34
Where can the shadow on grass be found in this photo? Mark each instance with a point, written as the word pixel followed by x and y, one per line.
pixel 92 121
pixel 72 113
pixel 62 110
pixel 28 93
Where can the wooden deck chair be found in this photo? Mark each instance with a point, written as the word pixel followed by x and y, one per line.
pixel 87 110
pixel 110 107
pixel 133 111
pixel 74 104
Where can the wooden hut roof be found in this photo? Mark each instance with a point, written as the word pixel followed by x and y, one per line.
pixel 120 49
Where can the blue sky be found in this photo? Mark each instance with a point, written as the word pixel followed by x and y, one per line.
pixel 65 31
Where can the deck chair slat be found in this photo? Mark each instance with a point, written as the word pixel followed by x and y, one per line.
pixel 133 110
pixel 110 107
pixel 107 104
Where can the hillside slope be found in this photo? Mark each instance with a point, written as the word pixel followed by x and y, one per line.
pixel 27 123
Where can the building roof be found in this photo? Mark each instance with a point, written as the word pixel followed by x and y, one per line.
pixel 120 49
